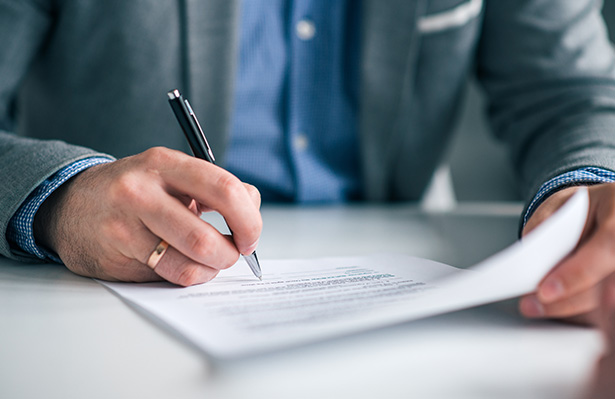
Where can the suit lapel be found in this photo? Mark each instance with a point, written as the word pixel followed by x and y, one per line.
pixel 211 38
pixel 388 47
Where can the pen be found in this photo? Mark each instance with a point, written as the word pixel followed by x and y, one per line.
pixel 200 148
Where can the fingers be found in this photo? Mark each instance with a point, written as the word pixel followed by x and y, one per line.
pixel 178 269
pixel 581 304
pixel 130 270
pixel 252 191
pixel 603 384
pixel 255 195
pixel 173 266
pixel 184 186
pixel 584 269
pixel 197 250
pixel 571 290
pixel 607 311
pixel 170 220
pixel 219 190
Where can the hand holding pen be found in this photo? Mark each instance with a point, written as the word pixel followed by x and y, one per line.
pixel 200 148
pixel 138 219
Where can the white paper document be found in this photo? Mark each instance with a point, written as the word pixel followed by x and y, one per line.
pixel 301 301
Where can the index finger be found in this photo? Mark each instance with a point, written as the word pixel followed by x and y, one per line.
pixel 585 268
pixel 221 191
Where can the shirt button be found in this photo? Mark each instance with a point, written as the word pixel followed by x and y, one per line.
pixel 305 29
pixel 300 142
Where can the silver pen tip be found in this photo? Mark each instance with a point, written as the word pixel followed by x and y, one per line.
pixel 252 261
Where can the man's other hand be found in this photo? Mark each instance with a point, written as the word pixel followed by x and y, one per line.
pixel 603 386
pixel 571 290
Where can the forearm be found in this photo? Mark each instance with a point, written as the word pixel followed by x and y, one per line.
pixel 549 72
pixel 572 140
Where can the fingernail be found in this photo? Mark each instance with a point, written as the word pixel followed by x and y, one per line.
pixel 531 307
pixel 552 289
pixel 252 247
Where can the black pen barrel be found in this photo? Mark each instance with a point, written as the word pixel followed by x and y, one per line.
pixel 195 138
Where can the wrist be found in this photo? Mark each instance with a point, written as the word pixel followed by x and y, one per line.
pixel 54 212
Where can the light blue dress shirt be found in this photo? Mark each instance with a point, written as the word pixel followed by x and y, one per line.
pixel 294 130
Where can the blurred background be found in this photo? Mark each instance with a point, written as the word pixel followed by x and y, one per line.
pixel 471 179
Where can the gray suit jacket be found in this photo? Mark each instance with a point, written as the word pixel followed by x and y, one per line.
pixel 81 77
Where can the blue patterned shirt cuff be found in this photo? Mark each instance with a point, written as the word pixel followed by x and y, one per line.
pixel 583 176
pixel 20 231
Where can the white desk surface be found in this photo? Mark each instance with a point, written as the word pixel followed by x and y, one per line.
pixel 64 336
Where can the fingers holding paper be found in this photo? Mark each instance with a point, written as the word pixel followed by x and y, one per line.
pixel 571 290
pixel 108 221
pixel 603 384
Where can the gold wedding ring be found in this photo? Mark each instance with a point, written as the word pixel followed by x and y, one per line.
pixel 157 254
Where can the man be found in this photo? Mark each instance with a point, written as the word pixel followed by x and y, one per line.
pixel 327 101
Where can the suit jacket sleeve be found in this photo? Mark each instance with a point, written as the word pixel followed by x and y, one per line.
pixel 24 163
pixel 549 72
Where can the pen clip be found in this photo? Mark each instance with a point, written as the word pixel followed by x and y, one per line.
pixel 198 125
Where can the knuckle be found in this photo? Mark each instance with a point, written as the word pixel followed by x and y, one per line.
pixel 256 228
pixel 190 275
pixel 230 187
pixel 255 195
pixel 156 155
pixel 200 244
pixel 126 189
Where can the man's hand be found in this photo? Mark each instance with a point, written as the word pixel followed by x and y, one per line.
pixel 603 385
pixel 571 290
pixel 106 221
